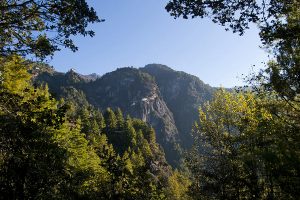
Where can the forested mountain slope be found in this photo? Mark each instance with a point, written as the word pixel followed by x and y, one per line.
pixel 166 99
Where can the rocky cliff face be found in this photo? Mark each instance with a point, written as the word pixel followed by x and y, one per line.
pixel 183 93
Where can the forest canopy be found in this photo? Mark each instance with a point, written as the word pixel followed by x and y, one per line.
pixel 245 142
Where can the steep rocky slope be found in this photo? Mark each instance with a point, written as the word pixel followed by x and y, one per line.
pixel 183 93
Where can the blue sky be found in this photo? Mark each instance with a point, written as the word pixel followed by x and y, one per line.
pixel 137 33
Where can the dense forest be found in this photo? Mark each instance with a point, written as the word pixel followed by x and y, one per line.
pixel 148 133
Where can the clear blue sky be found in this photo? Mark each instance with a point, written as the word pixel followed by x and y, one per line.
pixel 137 33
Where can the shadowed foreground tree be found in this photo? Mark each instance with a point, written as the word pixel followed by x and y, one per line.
pixel 39 27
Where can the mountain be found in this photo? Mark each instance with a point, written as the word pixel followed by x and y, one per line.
pixel 166 99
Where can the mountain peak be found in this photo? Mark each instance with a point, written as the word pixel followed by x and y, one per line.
pixel 73 77
pixel 160 67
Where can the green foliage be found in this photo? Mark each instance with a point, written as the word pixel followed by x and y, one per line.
pixel 243 150
pixel 178 186
pixel 233 14
pixel 282 74
pixel 40 27
pixel 32 163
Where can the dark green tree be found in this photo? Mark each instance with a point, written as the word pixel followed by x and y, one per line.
pixel 233 14
pixel 40 27
pixel 110 119
pixel 120 118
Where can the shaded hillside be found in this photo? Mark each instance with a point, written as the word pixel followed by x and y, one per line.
pixel 183 93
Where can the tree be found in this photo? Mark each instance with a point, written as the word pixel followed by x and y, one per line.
pixel 178 186
pixel 31 162
pixel 39 27
pixel 278 84
pixel 242 150
pixel 234 14
pixel 282 74
pixel 110 120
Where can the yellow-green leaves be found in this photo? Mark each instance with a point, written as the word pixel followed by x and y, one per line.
pixel 14 75
pixel 245 146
